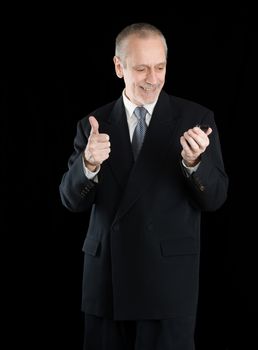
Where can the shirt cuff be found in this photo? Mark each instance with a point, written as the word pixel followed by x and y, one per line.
pixel 91 175
pixel 190 169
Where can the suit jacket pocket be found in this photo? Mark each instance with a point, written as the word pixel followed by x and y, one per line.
pixel 91 246
pixel 179 246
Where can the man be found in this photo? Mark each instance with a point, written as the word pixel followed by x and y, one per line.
pixel 140 283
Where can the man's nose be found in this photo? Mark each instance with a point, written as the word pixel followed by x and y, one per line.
pixel 151 77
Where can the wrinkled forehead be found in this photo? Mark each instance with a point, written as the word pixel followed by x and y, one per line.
pixel 149 50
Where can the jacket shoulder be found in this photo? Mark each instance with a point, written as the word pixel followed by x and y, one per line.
pixel 100 113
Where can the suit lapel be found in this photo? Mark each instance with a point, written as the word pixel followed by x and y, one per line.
pixel 152 155
pixel 121 157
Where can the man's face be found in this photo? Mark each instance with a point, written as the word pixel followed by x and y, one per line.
pixel 144 68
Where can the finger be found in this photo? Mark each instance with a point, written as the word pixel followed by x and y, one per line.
pixel 200 131
pixel 99 139
pixel 100 156
pixel 185 145
pixel 94 125
pixel 97 146
pixel 104 145
pixel 199 136
pixel 192 142
pixel 102 138
pixel 209 131
pixel 104 154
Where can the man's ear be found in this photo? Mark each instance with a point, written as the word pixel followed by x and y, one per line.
pixel 118 67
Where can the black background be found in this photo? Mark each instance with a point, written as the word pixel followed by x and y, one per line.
pixel 55 77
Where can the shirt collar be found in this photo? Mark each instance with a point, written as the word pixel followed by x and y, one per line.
pixel 130 107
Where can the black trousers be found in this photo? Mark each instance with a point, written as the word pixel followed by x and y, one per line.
pixel 169 334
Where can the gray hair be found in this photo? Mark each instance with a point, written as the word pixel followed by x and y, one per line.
pixel 142 30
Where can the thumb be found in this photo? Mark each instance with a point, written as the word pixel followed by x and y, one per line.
pixel 94 125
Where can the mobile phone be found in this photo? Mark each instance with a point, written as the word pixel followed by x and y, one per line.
pixel 203 127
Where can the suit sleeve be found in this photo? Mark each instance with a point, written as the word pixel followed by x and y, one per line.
pixel 209 184
pixel 76 191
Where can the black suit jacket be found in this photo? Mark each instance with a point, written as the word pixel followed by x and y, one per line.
pixel 143 241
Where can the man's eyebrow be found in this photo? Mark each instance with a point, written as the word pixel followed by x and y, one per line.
pixel 147 65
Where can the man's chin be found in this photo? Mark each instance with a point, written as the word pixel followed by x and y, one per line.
pixel 150 97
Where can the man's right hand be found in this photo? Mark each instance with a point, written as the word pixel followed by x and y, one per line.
pixel 98 147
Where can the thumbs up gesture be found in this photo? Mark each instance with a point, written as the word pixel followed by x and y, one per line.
pixel 98 147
